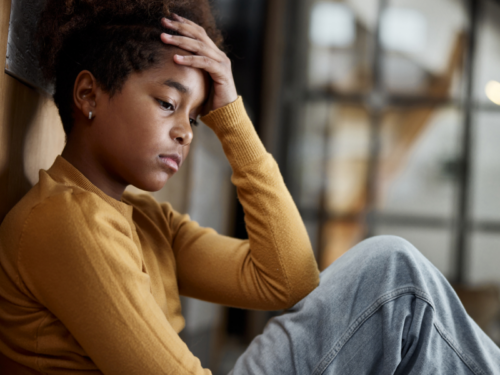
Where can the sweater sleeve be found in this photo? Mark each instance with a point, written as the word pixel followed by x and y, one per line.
pixel 80 261
pixel 275 267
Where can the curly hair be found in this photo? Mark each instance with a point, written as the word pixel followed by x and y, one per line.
pixel 111 39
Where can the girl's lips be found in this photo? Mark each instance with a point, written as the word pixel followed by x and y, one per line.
pixel 171 161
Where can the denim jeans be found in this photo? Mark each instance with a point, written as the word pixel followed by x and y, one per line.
pixel 381 308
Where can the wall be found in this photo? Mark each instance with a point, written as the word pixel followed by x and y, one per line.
pixel 31 134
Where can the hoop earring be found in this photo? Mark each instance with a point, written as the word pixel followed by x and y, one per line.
pixel 90 115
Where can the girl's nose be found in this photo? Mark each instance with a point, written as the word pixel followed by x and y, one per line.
pixel 182 133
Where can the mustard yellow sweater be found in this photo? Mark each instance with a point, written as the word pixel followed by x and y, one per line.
pixel 91 284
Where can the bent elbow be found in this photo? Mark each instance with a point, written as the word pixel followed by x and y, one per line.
pixel 302 286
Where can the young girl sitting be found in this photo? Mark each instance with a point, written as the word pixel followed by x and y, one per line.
pixel 90 275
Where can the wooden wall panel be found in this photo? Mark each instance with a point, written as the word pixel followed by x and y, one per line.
pixel 31 134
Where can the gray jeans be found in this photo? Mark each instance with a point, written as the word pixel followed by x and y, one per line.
pixel 382 308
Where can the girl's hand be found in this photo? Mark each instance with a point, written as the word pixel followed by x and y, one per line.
pixel 207 56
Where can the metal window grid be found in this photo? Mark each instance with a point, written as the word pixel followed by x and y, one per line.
pixel 295 93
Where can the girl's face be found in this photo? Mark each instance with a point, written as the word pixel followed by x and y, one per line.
pixel 142 134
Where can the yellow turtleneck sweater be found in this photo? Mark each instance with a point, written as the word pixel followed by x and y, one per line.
pixel 91 284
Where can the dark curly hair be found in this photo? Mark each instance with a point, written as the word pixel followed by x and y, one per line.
pixel 110 38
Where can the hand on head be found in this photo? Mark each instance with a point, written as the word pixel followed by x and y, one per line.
pixel 206 56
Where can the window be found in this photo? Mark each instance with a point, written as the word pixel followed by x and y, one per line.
pixel 396 127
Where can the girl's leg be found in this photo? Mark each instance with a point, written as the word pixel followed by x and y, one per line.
pixel 382 308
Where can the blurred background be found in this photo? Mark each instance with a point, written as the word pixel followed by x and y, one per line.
pixel 384 116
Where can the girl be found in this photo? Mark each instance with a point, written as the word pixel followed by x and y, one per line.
pixel 90 275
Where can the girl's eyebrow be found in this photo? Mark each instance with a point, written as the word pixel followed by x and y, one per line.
pixel 178 86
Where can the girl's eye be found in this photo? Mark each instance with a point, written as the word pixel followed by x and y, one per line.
pixel 166 105
pixel 193 122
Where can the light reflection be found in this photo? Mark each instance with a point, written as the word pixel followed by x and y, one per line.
pixel 404 30
pixel 493 91
pixel 332 25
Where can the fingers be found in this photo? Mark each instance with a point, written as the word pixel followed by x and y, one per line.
pixel 188 29
pixel 194 39
pixel 197 29
pixel 181 28
pixel 215 68
pixel 192 45
pixel 207 56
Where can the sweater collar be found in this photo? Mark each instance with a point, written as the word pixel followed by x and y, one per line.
pixel 64 172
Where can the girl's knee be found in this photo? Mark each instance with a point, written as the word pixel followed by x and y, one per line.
pixel 377 258
pixel 387 247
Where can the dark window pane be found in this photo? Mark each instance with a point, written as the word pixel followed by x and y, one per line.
pixel 487 59
pixel 420 162
pixel 339 57
pixel 486 167
pixel 423 51
pixel 484 258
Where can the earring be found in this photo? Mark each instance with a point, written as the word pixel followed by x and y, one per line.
pixel 90 115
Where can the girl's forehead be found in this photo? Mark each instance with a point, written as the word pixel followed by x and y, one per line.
pixel 190 83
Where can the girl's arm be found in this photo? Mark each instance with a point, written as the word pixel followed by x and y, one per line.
pixel 78 259
pixel 275 268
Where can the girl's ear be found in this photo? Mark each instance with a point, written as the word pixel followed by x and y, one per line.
pixel 85 95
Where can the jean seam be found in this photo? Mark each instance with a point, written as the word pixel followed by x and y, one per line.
pixel 363 317
pixel 455 347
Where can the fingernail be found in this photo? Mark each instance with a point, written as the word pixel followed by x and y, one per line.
pixel 179 57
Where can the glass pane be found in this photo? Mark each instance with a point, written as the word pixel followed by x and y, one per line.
pixel 423 51
pixel 435 244
pixel 346 171
pixel 329 157
pixel 339 55
pixel 484 258
pixel 307 153
pixel 488 54
pixel 339 236
pixel 419 161
pixel 348 158
pixel 486 167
